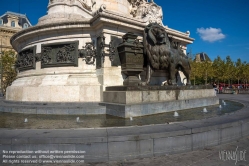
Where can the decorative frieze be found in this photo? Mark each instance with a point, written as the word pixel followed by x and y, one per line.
pixel 26 59
pixel 59 54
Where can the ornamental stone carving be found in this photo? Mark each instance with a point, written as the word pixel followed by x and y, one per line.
pixel 84 3
pixel 149 12
pixel 26 59
pixel 64 55
pixel 111 49
pixel 59 54
pixel 88 53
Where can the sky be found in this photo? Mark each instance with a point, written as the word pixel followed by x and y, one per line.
pixel 219 27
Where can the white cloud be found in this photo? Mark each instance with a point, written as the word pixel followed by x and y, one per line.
pixel 210 34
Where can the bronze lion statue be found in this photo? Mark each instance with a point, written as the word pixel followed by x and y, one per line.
pixel 160 55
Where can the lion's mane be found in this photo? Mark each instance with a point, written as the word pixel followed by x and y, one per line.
pixel 156 47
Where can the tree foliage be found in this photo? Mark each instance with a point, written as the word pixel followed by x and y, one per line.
pixel 219 70
pixel 229 69
pixel 8 71
pixel 238 74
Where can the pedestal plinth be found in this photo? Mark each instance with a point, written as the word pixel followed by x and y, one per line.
pixel 134 101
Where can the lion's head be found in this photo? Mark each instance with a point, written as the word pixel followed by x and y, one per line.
pixel 156 34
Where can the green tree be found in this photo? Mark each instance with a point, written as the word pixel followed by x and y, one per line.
pixel 195 72
pixel 218 69
pixel 7 69
pixel 245 73
pixel 229 69
pixel 209 72
pixel 238 72
pixel 194 67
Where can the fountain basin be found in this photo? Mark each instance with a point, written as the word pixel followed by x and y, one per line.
pixel 122 143
pixel 49 121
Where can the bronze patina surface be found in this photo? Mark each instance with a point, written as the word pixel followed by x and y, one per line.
pixel 162 53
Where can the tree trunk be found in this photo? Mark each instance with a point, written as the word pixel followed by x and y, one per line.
pixel 206 78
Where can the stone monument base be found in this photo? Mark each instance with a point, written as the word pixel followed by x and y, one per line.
pixel 125 101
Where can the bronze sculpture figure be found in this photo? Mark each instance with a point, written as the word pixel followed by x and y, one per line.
pixel 160 55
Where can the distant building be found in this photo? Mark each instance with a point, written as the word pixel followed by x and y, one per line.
pixel 11 23
pixel 200 57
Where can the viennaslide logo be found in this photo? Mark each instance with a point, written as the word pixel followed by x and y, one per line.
pixel 234 155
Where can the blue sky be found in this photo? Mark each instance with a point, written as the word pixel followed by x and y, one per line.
pixel 219 27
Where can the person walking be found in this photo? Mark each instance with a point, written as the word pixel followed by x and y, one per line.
pixel 220 89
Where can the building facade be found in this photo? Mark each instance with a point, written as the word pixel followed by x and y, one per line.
pixel 202 57
pixel 10 24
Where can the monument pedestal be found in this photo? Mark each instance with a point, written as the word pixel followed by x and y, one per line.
pixel 128 101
